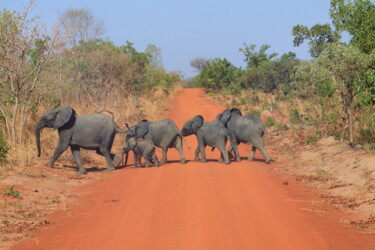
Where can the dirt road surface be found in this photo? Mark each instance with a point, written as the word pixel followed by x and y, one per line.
pixel 244 205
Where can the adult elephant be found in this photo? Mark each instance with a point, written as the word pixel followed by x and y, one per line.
pixel 163 133
pixel 247 129
pixel 212 133
pixel 93 132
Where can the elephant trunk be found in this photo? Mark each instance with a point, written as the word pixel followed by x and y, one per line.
pixel 38 129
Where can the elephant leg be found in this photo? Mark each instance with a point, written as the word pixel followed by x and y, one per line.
pixel 197 154
pixel 77 159
pixel 61 147
pixel 230 149
pixel 147 158
pixel 164 157
pixel 267 158
pixel 178 146
pixel 117 160
pixel 108 158
pixel 135 161
pixel 260 146
pixel 155 159
pixel 251 157
pixel 234 145
pixel 201 146
pixel 224 154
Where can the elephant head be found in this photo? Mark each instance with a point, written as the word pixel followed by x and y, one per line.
pixel 56 119
pixel 192 126
pixel 129 144
pixel 225 116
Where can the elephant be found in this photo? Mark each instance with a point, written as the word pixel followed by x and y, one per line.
pixel 92 132
pixel 248 129
pixel 212 133
pixel 140 148
pixel 163 133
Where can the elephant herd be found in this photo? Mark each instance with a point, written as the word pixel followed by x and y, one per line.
pixel 97 132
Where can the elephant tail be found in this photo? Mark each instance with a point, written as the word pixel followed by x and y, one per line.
pixel 180 135
pixel 268 133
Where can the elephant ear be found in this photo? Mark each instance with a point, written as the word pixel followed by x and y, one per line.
pixel 197 122
pixel 224 116
pixel 63 116
pixel 236 111
pixel 141 129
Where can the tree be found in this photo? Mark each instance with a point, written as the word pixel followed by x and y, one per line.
pixel 80 26
pixel 358 18
pixel 255 59
pixel 25 49
pixel 155 56
pixel 350 69
pixel 319 36
pixel 199 63
pixel 220 74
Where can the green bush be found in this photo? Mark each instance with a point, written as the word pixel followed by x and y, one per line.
pixel 11 192
pixel 270 122
pixel 294 116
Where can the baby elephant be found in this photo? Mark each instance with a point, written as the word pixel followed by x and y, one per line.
pixel 212 134
pixel 141 148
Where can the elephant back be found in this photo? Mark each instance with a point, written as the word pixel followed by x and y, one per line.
pixel 162 133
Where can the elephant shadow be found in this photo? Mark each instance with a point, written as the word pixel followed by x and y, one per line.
pixel 96 168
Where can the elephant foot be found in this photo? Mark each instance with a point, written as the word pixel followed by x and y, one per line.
pixel 117 160
pixel 238 159
pixel 135 167
pixel 221 161
pixel 183 161
pixel 82 171
pixel 268 160
pixel 250 159
pixel 49 165
pixel 157 165
pixel 203 160
pixel 196 159
pixel 163 161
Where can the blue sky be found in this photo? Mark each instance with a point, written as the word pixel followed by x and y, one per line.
pixel 188 29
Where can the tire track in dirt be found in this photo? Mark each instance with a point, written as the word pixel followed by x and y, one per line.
pixel 198 205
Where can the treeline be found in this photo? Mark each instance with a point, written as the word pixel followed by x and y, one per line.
pixel 340 79
pixel 70 64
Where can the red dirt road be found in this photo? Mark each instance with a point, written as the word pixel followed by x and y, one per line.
pixel 198 205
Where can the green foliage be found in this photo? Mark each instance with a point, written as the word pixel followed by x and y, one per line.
pixel 270 122
pixel 358 18
pixel 270 75
pixel 4 149
pixel 312 139
pixel 319 36
pixel 11 192
pixel 218 75
pixel 310 80
pixel 255 59
pixel 294 116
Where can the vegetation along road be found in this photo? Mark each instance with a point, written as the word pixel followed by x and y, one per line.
pixel 196 205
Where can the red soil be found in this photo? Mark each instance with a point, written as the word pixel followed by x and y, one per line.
pixel 244 205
